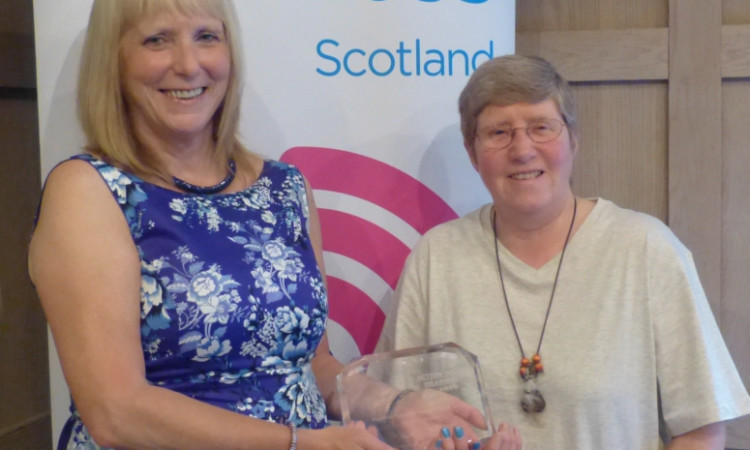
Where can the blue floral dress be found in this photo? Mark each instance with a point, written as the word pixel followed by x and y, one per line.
pixel 233 304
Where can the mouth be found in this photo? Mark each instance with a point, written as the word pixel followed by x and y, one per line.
pixel 527 175
pixel 184 94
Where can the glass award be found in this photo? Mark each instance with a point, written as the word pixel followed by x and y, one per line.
pixel 410 395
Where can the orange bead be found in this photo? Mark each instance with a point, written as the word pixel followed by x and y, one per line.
pixel 538 367
pixel 524 362
pixel 523 371
pixel 536 358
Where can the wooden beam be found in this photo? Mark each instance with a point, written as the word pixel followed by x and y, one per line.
pixel 735 57
pixel 623 55
pixel 602 55
pixel 695 135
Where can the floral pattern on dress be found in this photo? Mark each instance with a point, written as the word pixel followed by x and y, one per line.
pixel 127 191
pixel 233 305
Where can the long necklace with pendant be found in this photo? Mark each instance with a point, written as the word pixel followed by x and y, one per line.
pixel 532 400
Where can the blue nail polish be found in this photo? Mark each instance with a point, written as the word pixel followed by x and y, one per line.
pixel 438 444
pixel 459 432
pixel 446 432
pixel 475 446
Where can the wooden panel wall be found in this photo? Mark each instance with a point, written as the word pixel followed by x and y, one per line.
pixel 615 55
pixel 24 383
pixel 735 282
pixel 664 97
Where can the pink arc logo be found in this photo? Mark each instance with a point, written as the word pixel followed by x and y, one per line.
pixel 371 215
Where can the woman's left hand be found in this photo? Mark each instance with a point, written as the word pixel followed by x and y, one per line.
pixel 507 437
pixel 420 415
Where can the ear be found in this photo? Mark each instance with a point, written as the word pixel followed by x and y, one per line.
pixel 471 151
pixel 574 144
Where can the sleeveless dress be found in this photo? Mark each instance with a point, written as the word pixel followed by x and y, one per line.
pixel 233 304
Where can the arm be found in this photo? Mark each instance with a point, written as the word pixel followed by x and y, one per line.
pixel 325 366
pixel 709 437
pixel 87 273
pixel 698 381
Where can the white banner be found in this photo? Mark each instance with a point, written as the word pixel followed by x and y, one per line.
pixel 361 95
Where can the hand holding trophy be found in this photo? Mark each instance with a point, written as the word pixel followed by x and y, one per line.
pixel 415 396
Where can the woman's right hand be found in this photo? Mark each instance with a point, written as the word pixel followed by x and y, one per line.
pixel 350 437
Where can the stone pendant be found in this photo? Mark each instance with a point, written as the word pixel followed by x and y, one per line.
pixel 532 400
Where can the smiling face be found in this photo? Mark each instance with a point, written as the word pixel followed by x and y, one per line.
pixel 526 177
pixel 175 73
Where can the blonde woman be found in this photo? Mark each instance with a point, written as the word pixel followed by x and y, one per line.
pixel 181 275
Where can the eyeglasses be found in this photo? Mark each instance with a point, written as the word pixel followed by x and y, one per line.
pixel 539 131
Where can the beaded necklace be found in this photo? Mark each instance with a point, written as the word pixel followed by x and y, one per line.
pixel 206 190
pixel 532 400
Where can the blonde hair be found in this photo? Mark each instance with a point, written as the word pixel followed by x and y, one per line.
pixel 102 111
pixel 511 79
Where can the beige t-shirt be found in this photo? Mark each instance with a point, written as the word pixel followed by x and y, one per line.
pixel 629 312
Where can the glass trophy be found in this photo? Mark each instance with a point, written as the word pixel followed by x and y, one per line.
pixel 410 395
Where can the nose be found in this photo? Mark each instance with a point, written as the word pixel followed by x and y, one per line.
pixel 521 146
pixel 185 59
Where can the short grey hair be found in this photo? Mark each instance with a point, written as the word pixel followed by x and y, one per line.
pixel 511 79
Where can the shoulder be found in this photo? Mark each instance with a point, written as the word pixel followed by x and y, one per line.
pixel 81 187
pixel 279 166
pixel 635 229
pixel 611 212
pixel 473 223
pixel 77 209
pixel 280 171
pixel 627 220
pixel 84 172
pixel 77 175
pixel 470 231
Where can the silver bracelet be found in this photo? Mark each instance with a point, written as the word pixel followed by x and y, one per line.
pixel 293 445
pixel 394 403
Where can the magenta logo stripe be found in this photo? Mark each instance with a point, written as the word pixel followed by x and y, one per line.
pixel 353 310
pixel 372 180
pixel 370 214
pixel 364 242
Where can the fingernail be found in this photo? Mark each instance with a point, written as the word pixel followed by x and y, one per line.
pixel 438 444
pixel 459 432
pixel 446 432
pixel 475 446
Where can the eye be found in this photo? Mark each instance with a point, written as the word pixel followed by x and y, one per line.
pixel 209 36
pixel 541 126
pixel 156 40
pixel 498 131
pixel 544 128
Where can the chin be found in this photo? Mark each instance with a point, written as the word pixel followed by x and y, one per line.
pixel 189 129
pixel 529 206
